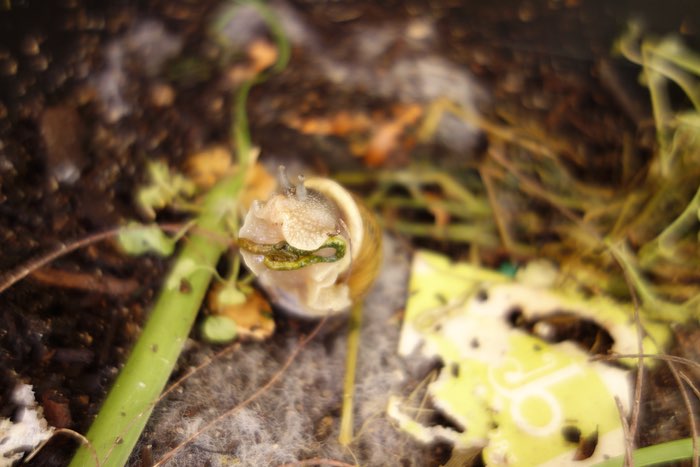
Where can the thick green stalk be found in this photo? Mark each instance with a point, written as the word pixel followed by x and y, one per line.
pixel 129 404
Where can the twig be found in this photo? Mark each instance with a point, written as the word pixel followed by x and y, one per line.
pixel 690 383
pixel 32 266
pixel 503 133
pixel 27 268
pixel 514 248
pixel 497 214
pixel 87 281
pixel 73 434
pixel 680 377
pixel 626 430
pixel 634 419
pixel 260 391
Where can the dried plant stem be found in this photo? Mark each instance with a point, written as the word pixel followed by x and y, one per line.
pixel 346 416
pixel 65 248
pixel 663 244
pixel 413 179
pixel 512 246
pixel 36 264
pixel 503 133
pixel 73 434
pixel 631 431
pixel 459 233
pixel 629 437
pixel 87 281
pixel 680 378
pixel 454 208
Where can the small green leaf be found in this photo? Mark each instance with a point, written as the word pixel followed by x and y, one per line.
pixel 139 239
pixel 229 295
pixel 180 273
pixel 218 329
pixel 164 187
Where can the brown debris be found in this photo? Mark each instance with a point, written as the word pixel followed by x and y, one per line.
pixel 91 282
pixel 56 409
pixel 62 132
pixel 374 137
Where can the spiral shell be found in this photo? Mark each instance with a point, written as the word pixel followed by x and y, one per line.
pixel 314 247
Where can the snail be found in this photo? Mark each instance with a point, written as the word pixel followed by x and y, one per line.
pixel 314 247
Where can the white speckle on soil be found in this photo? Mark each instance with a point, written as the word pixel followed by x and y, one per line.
pixel 27 429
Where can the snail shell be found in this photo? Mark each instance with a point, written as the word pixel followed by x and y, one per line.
pixel 306 217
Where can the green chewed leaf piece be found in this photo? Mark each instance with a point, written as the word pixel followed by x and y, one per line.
pixel 139 239
pixel 511 390
pixel 149 199
pixel 163 188
pixel 218 329
pixel 230 295
pixel 284 257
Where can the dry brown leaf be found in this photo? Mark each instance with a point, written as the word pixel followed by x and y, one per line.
pixel 262 55
pixel 387 137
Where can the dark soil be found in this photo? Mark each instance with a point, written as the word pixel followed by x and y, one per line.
pixel 68 168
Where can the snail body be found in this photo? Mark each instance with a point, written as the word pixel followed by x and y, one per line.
pixel 314 247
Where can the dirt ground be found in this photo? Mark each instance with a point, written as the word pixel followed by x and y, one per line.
pixel 89 91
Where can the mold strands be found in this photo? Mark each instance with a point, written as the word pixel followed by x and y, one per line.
pixel 297 418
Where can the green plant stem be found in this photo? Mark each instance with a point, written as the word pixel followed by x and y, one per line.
pixel 663 245
pixel 654 307
pixel 676 53
pixel 412 179
pixel 466 233
pixel 346 415
pixel 453 208
pixel 658 454
pixel 126 410
pixel 240 133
